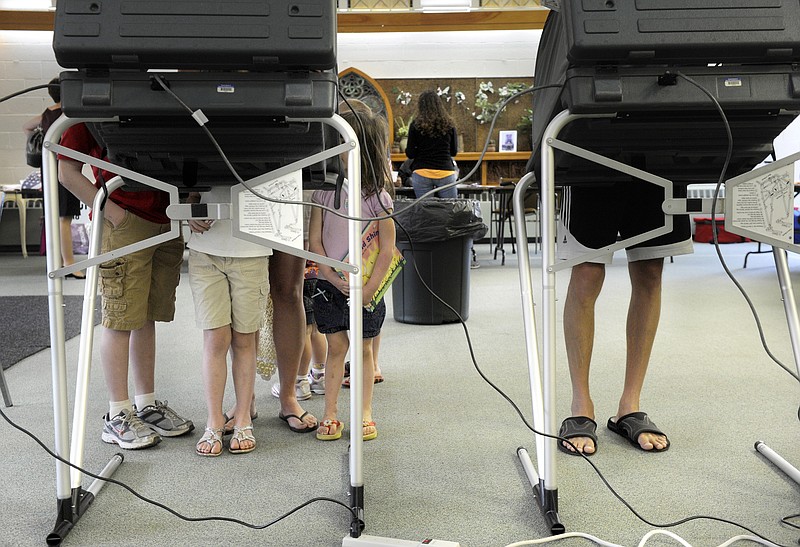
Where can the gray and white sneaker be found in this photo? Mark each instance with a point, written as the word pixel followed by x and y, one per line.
pixel 164 421
pixel 316 379
pixel 302 389
pixel 128 431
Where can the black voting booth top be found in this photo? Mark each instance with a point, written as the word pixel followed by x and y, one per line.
pixel 621 59
pixel 253 67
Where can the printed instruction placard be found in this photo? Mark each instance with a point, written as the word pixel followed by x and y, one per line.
pixel 273 221
pixel 765 205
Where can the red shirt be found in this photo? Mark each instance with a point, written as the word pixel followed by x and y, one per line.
pixel 148 204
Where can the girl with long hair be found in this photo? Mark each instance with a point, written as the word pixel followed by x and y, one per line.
pixel 328 236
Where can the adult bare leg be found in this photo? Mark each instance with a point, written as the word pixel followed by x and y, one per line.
pixel 644 313
pixel 286 287
pixel 585 284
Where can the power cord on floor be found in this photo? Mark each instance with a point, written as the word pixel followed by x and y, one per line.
pixel 641 543
pixel 165 507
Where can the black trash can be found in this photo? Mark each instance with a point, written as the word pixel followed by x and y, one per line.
pixel 441 233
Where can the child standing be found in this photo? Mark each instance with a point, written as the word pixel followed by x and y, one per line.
pixel 230 284
pixel 328 236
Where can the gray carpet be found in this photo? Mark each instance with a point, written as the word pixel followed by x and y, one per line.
pixel 26 325
pixel 444 464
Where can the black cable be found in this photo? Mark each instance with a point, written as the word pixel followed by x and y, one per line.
pixel 165 507
pixel 27 90
pixel 159 79
pixel 727 270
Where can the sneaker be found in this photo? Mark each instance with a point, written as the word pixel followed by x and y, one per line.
pixel 128 431
pixel 164 421
pixel 316 378
pixel 474 264
pixel 302 389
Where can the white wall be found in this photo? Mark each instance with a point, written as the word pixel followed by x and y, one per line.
pixel 469 54
pixel 27 59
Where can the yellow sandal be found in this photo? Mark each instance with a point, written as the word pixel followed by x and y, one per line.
pixel 337 426
pixel 369 436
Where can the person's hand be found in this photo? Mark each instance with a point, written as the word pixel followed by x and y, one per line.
pixel 200 226
pixel 114 213
pixel 366 296
pixel 335 278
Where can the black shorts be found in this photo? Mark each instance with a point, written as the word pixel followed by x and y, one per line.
pixel 594 216
pixel 332 312
pixel 309 288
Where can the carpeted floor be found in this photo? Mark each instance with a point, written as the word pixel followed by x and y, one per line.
pixel 26 323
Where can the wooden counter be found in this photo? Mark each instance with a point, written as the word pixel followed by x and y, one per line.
pixel 489 158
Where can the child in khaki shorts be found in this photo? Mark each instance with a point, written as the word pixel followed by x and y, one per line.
pixel 230 284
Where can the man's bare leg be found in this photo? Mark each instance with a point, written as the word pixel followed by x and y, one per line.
pixel 644 313
pixel 585 283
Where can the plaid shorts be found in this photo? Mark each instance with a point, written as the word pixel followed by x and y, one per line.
pixel 332 312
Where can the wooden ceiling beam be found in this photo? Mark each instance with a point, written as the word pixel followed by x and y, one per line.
pixel 426 22
pixel 26 20
pixel 354 22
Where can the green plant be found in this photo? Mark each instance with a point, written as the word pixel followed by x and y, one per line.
pixel 401 126
pixel 525 122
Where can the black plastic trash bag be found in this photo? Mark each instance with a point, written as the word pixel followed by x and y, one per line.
pixel 438 219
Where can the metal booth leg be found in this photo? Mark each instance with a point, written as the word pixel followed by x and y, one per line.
pixel 787 294
pixel 4 389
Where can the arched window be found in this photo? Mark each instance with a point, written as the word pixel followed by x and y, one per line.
pixel 354 84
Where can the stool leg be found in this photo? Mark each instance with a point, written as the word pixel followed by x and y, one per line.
pixel 23 226
pixel 511 233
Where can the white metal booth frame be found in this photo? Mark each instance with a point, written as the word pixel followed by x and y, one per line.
pixel 542 370
pixel 72 499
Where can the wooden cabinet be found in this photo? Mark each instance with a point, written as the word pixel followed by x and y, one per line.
pixel 495 165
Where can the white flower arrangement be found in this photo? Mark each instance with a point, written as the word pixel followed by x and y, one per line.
pixel 485 107
pixel 403 97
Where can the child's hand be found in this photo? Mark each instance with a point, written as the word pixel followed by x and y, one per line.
pixel 200 226
pixel 367 295
pixel 343 284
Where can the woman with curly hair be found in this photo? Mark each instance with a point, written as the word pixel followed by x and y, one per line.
pixel 432 143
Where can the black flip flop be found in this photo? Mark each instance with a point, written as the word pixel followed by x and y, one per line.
pixel 285 418
pixel 577 426
pixel 634 424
